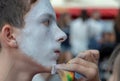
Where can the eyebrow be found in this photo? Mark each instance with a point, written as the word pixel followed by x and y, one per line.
pixel 49 15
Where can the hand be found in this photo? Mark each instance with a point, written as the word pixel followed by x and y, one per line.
pixel 85 63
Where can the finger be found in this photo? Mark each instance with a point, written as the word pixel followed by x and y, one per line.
pixel 81 62
pixel 83 54
pixel 90 67
pixel 90 55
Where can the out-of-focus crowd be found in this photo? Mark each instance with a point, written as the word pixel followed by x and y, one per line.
pixel 89 32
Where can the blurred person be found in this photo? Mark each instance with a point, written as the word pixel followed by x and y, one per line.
pixel 108 44
pixel 79 33
pixel 108 37
pixel 64 24
pixel 30 42
pixel 117 28
pixel 95 28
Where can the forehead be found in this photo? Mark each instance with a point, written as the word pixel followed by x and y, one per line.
pixel 41 7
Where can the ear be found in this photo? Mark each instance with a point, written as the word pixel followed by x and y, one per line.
pixel 8 36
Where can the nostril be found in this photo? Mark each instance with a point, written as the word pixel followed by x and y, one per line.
pixel 61 40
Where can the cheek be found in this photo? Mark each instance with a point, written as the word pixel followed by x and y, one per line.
pixel 35 32
pixel 37 39
pixel 38 44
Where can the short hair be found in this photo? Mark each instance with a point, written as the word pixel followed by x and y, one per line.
pixel 12 12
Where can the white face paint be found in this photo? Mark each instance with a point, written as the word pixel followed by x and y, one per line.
pixel 41 36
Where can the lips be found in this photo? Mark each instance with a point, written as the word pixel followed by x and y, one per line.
pixel 58 52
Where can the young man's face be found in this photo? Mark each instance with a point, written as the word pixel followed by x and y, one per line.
pixel 41 37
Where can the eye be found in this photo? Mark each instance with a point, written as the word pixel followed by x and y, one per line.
pixel 46 22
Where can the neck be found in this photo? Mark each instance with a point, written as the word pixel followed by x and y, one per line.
pixel 14 68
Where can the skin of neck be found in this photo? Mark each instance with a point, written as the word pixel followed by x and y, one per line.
pixel 18 67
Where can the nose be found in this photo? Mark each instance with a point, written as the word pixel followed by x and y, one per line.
pixel 62 39
pixel 61 36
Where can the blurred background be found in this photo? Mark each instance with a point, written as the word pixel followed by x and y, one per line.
pixel 89 24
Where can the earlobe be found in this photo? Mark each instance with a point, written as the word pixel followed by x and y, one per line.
pixel 13 43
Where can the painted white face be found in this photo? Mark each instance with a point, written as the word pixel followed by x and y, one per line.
pixel 41 37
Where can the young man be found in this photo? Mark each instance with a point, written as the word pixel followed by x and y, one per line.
pixel 30 42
